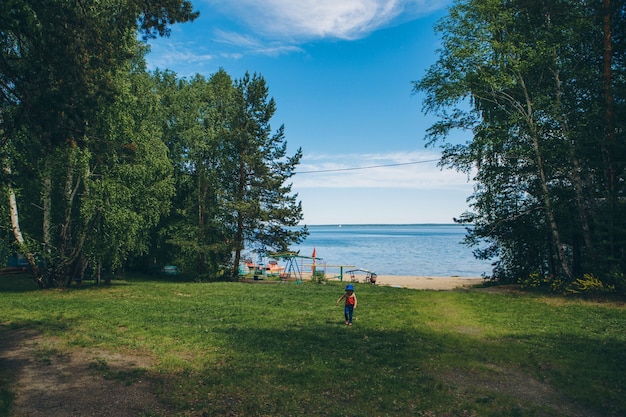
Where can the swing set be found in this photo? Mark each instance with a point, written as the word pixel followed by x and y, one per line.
pixel 293 265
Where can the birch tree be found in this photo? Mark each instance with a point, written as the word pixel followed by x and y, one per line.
pixel 60 65
pixel 525 79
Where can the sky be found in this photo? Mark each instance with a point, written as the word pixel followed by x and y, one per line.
pixel 341 73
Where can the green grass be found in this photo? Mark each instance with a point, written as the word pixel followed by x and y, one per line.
pixel 263 349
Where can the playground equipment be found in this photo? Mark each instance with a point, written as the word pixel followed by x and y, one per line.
pixel 370 277
pixel 341 267
pixel 293 270
pixel 295 266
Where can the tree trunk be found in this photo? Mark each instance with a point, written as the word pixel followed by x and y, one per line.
pixel 47 210
pixel 609 148
pixel 99 273
pixel 554 230
pixel 575 174
pixel 201 226
pixel 71 241
pixel 239 234
pixel 17 232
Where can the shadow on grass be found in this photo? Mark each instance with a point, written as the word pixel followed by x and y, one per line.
pixel 7 367
pixel 591 370
pixel 163 278
pixel 312 370
pixel 24 282
pixel 17 283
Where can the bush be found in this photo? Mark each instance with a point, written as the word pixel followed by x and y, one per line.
pixel 589 284
pixel 538 281
pixel 318 277
pixel 534 280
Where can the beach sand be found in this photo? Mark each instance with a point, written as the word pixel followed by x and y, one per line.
pixel 427 283
pixel 418 282
pixel 400 281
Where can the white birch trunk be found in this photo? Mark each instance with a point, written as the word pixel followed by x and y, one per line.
pixel 15 227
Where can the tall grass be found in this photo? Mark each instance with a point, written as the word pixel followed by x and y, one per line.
pixel 283 349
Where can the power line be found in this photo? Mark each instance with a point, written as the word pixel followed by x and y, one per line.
pixel 366 167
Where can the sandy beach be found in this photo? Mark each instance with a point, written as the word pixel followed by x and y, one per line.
pixel 426 283
pixel 418 282
pixel 400 281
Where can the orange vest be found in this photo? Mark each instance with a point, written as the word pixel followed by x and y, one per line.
pixel 350 300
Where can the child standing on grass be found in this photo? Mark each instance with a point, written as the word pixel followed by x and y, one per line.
pixel 350 298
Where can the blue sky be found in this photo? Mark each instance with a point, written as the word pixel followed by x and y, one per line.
pixel 340 72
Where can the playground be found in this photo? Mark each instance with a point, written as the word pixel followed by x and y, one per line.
pixel 291 266
pixel 295 268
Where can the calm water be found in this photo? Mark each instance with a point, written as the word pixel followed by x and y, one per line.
pixel 395 249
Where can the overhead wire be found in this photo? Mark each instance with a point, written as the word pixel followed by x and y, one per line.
pixel 366 167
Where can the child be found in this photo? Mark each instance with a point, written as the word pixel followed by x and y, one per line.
pixel 350 298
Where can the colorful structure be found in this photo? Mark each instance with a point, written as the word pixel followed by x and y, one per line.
pixel 293 269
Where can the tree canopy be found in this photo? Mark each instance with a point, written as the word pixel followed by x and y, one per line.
pixel 106 165
pixel 232 172
pixel 540 85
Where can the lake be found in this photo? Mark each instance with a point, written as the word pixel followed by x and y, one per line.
pixel 419 249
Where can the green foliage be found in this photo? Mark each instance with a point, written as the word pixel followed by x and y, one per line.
pixel 319 277
pixel 618 279
pixel 78 128
pixel 535 281
pixel 525 80
pixel 589 284
pixel 264 210
pixel 231 173
pixel 97 147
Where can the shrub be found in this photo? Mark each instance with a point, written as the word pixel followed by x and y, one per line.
pixel 589 284
pixel 318 277
pixel 534 280
pixel 539 281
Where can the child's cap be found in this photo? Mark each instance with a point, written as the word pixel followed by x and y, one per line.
pixel 349 287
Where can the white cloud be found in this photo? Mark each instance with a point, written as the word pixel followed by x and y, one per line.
pixel 410 170
pixel 277 27
pixel 419 192
pixel 253 44
pixel 312 19
pixel 169 54
pixel 236 39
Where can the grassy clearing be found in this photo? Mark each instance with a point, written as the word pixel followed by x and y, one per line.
pixel 248 349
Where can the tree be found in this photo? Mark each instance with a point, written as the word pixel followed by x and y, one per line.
pixel 524 77
pixel 60 66
pixel 261 208
pixel 196 114
pixel 232 173
pixel 131 182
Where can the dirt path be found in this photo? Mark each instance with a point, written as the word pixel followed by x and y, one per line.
pixel 46 382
